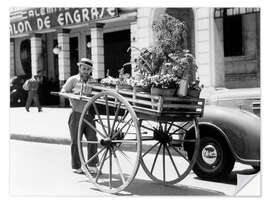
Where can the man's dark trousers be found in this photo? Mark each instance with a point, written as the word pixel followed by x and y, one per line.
pixel 32 95
pixel 89 134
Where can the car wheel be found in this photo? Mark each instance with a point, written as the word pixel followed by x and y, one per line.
pixel 215 159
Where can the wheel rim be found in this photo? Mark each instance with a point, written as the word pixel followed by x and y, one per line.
pixel 117 167
pixel 209 154
pixel 167 161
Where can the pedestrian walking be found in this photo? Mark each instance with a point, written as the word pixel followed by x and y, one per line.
pixel 31 85
pixel 81 84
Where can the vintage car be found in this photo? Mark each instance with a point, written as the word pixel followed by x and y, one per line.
pixel 18 95
pixel 230 131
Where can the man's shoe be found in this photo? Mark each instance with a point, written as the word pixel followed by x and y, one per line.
pixel 40 110
pixel 27 110
pixel 78 171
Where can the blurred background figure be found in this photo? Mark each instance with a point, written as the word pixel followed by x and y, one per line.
pixel 31 85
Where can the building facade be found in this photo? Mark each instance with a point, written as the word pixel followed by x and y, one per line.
pixel 50 41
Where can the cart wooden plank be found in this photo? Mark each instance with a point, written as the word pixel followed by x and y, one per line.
pixel 146 105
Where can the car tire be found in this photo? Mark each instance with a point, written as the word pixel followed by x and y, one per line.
pixel 257 168
pixel 215 160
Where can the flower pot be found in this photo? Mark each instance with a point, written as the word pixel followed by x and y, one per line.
pixel 183 88
pixel 142 89
pixel 194 93
pixel 124 87
pixel 168 92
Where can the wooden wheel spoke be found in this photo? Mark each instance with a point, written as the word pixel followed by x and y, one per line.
pixel 125 141
pixel 115 118
pixel 103 158
pixel 180 153
pixel 94 156
pixel 150 149
pixel 119 168
pixel 165 127
pixel 93 127
pixel 110 173
pixel 169 153
pixel 168 130
pixel 127 130
pixel 124 155
pixel 118 132
pixel 164 162
pixel 182 126
pixel 90 142
pixel 123 118
pixel 154 162
pixel 100 120
pixel 148 128
pixel 172 133
pixel 178 128
pixel 108 114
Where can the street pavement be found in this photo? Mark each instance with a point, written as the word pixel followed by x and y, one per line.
pixel 40 169
pixel 48 126
pixel 35 166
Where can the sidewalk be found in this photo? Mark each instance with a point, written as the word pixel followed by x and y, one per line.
pixel 49 126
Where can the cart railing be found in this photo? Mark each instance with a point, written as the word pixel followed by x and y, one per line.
pixel 147 104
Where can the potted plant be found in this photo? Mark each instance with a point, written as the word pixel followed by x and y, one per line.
pixel 167 65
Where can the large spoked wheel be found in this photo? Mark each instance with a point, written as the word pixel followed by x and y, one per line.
pixel 116 127
pixel 165 160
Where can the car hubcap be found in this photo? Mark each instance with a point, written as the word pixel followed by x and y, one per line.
pixel 209 154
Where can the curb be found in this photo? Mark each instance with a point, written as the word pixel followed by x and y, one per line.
pixel 31 138
pixel 64 141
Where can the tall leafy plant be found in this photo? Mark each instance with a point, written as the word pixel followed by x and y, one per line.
pixel 171 35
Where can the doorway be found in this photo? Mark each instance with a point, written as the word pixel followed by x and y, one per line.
pixel 115 52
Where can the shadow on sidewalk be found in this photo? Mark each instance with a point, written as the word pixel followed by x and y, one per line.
pixel 149 188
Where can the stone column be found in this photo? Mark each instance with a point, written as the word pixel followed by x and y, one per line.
pixel 144 28
pixel 36 49
pixel 12 58
pixel 133 43
pixel 63 59
pixel 209 49
pixel 97 43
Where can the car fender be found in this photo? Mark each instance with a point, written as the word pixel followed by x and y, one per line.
pixel 240 129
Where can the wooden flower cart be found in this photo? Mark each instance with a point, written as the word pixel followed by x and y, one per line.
pixel 159 133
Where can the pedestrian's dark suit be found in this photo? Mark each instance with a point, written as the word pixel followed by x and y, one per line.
pixel 32 86
pixel 74 85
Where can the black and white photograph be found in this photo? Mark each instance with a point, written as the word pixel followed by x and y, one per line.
pixel 134 101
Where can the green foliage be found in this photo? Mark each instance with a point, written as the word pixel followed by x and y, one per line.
pixel 170 33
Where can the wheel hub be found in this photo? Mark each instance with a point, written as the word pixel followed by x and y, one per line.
pixel 106 142
pixel 209 154
pixel 161 136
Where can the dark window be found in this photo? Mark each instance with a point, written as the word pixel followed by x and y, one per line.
pixel 55 61
pixel 74 55
pixel 232 34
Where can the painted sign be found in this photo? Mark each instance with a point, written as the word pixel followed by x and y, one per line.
pixel 38 19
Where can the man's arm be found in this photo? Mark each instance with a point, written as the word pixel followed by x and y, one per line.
pixel 26 85
pixel 68 86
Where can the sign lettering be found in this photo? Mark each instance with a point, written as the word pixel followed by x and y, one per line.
pixel 45 18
